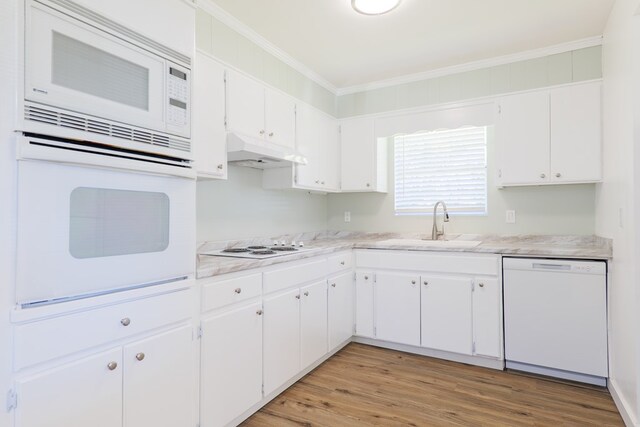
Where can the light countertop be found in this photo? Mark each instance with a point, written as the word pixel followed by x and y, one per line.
pixel 324 243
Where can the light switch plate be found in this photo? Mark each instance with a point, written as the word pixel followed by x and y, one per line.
pixel 511 217
pixel 347 216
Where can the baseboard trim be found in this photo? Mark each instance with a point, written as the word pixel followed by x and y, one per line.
pixel 622 405
pixel 485 362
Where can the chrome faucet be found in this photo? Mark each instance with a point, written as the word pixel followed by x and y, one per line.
pixel 435 233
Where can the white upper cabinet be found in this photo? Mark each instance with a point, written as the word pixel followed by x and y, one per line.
pixel 523 135
pixel 363 157
pixel 550 136
pixel 576 133
pixel 209 135
pixel 259 112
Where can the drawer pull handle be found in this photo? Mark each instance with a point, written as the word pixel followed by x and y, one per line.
pixel 306 294
pixel 140 357
pixel 481 285
pixel 238 290
pixel 259 312
pixel 112 366
pixel 126 321
pixel 333 285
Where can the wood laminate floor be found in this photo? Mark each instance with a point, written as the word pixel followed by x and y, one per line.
pixel 363 385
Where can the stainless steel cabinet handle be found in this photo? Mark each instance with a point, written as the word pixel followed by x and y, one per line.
pixel 306 294
pixel 259 312
pixel 140 357
pixel 126 321
pixel 297 296
pixel 238 290
pixel 220 166
pixel 333 285
pixel 543 175
pixel 112 366
pixel 481 285
pixel 558 175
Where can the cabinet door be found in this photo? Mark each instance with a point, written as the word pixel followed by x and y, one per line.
pixel 331 154
pixel 358 155
pixel 313 323
pixel 522 134
pixel 281 357
pixel 576 133
pixel 487 318
pixel 280 118
pixel 209 136
pixel 364 305
pixel 159 380
pixel 340 309
pixel 87 392
pixel 308 144
pixel 446 314
pixel 231 364
pixel 397 308
pixel 245 105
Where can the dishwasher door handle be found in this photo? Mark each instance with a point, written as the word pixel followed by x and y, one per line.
pixel 557 267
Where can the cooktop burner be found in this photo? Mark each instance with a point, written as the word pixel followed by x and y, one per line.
pixel 284 248
pixel 236 250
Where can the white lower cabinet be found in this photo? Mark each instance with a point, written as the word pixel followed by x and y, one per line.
pixel 281 350
pixel 313 323
pixel 397 308
pixel 87 392
pixel 231 364
pixel 340 306
pixel 364 305
pixel 447 314
pixel 148 382
pixel 487 317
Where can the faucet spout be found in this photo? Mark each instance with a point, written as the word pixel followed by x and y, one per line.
pixel 435 233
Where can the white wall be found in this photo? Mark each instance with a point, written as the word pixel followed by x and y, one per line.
pixel 240 208
pixel 615 216
pixel 7 194
pixel 564 209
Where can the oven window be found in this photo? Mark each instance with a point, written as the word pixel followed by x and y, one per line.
pixel 106 222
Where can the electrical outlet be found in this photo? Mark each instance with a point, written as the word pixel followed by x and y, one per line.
pixel 511 217
pixel 347 216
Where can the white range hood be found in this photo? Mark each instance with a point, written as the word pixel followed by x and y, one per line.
pixel 255 153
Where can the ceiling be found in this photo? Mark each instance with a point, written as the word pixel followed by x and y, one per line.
pixel 349 49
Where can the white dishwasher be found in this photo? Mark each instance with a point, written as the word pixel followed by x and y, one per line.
pixel 555 318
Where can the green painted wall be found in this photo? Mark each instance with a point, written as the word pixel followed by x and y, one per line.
pixel 226 44
pixel 568 67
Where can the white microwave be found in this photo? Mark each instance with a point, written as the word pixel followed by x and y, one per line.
pixel 87 77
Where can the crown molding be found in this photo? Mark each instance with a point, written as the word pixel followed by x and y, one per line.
pixel 232 22
pixel 475 65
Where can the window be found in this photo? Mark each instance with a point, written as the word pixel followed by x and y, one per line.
pixel 449 165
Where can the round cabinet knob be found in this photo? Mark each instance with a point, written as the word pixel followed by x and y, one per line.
pixel 237 290
pixel 322 183
pixel 140 357
pixel 259 312
pixel 317 181
pixel 270 134
pixel 333 285
pixel 112 366
pixel 368 185
pixel 341 262
pixel 297 296
pixel 481 285
pixel 543 176
pixel 558 175
pixel 366 277
pixel 261 131
pixel 426 283
pixel 306 294
pixel 413 282
pixel 126 321
pixel 220 166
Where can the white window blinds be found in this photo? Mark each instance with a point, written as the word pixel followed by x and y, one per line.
pixel 449 165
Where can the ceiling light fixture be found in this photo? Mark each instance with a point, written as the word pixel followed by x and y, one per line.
pixel 374 7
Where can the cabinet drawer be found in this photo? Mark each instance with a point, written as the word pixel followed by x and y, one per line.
pixel 286 277
pixel 433 262
pixel 45 340
pixel 340 262
pixel 229 291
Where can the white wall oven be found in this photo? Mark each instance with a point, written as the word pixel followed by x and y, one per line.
pixel 91 223
pixel 87 77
